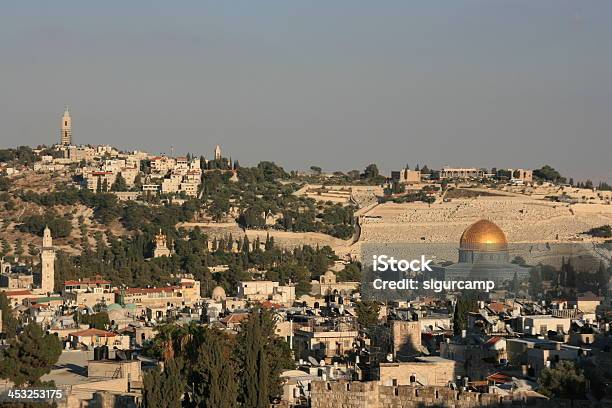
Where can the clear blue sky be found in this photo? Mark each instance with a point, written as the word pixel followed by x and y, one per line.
pixel 338 84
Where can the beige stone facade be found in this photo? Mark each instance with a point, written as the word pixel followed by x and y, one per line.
pixel 406 338
pixel 373 395
pixel 425 371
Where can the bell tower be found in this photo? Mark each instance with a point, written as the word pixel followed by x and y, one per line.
pixel 66 129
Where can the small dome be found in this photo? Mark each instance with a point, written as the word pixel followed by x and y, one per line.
pixel 483 235
pixel 218 294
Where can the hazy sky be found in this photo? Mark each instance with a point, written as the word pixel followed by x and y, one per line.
pixel 338 84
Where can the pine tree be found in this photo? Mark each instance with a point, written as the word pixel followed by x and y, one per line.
pixel 30 356
pixel 120 184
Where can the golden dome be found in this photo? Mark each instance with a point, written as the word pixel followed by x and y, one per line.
pixel 483 235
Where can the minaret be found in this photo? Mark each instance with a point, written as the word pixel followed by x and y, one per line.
pixel 47 260
pixel 217 152
pixel 66 129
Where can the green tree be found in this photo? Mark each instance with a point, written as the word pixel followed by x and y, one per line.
pixel 164 389
pixel 367 313
pixel 371 171
pixel 6 247
pixel 98 320
pixel 547 173
pixel 9 323
pixel 19 250
pixel 255 374
pixel 219 207
pixel 214 373
pixel 120 184
pixel 464 305
pixel 30 356
pixel 350 273
pixel 4 183
pixel 316 170
pixel 35 224
pixel 565 380
pixel 535 281
pixel 261 357
pixel 32 249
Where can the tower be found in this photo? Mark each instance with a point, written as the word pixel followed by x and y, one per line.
pixel 47 260
pixel 66 129
pixel 217 152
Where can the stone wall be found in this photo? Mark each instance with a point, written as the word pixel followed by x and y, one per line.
pixel 373 395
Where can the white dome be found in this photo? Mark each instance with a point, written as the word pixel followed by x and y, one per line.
pixel 218 293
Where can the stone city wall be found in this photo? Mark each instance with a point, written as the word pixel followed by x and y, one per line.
pixel 373 395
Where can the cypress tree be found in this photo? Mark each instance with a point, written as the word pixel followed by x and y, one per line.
pixel 164 389
pixel 9 323
pixel 214 374
pixel 254 381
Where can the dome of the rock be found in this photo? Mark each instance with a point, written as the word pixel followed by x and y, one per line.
pixel 483 235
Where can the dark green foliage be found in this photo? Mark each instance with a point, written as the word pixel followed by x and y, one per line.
pixel 252 217
pixel 255 375
pixel 223 371
pixel 35 224
pixel 214 373
pixel 5 183
pixel 605 231
pixel 464 305
pixel 98 320
pixel 30 356
pixel 565 380
pixel 350 273
pixel 371 171
pixel 164 389
pixel 367 314
pixel 119 184
pixel 9 323
pixel 21 155
pixel 547 173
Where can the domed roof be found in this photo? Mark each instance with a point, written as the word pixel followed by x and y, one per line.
pixel 483 235
pixel 218 293
pixel 113 306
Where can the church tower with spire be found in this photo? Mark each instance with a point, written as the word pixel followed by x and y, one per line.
pixel 66 129
pixel 161 246
pixel 47 261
